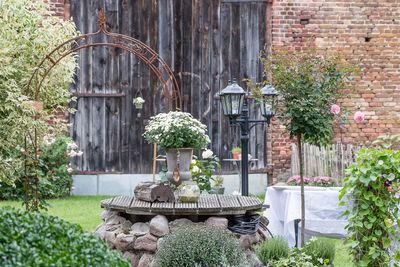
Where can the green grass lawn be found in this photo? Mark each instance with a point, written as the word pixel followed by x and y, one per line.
pixel 84 211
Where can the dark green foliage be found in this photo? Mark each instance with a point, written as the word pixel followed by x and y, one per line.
pixel 273 249
pixel 204 245
pixel 321 249
pixel 35 239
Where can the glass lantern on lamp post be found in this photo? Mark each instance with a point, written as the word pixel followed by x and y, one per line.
pixel 234 105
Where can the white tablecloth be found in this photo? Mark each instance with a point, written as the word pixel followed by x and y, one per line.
pixel 322 211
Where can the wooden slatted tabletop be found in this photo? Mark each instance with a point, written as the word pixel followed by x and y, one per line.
pixel 206 205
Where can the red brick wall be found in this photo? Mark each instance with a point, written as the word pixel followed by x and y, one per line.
pixel 60 7
pixel 368 33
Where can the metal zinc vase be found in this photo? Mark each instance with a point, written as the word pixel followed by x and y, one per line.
pixel 178 163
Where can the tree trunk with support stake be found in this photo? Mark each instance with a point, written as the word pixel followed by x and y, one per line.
pixel 303 213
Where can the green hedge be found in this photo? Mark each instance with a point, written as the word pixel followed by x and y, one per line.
pixel 35 239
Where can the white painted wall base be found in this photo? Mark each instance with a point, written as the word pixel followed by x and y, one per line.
pixel 124 184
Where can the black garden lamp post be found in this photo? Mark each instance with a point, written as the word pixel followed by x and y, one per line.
pixel 234 104
pixel 267 106
pixel 232 99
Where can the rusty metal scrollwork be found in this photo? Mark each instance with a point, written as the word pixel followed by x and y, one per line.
pixel 160 68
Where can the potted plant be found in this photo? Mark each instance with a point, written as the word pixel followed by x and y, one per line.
pixel 178 133
pixel 236 151
pixel 217 188
pixel 138 102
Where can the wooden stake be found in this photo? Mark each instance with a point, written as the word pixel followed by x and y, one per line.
pixel 154 162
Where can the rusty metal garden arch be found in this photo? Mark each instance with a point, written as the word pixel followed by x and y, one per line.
pixel 159 67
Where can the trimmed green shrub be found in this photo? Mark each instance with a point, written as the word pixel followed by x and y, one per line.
pixel 35 239
pixel 272 249
pixel 201 245
pixel 321 249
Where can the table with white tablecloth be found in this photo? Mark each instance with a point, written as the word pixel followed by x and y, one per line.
pixel 322 211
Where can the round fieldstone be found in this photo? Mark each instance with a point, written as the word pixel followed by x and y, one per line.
pixel 124 242
pixel 100 230
pixel 126 226
pixel 159 226
pixel 147 242
pixel 134 258
pixel 115 219
pixel 179 223
pixel 146 260
pixel 217 221
pixel 139 229
pixel 246 241
pixel 107 214
pixel 110 238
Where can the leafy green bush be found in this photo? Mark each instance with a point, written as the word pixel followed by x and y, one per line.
pixel 34 239
pixel 204 245
pixel 54 170
pixel 320 249
pixel 272 249
pixel 296 258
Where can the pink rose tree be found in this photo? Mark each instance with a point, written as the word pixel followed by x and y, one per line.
pixel 309 86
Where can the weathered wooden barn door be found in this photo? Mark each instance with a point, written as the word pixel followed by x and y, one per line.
pixel 206 43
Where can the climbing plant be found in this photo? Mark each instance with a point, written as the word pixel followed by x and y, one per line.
pixel 372 190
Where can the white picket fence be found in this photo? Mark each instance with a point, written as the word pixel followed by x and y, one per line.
pixel 324 161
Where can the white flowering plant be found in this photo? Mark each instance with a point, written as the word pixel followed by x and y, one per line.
pixel 176 130
pixel 138 100
pixel 203 169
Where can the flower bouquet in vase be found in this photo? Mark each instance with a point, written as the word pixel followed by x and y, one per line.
pixel 178 133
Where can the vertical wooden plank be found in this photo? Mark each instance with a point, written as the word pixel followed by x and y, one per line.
pixel 137 85
pixel 186 72
pixel 178 45
pixel 97 137
pixel 86 109
pixel 214 82
pixel 153 83
pixel 196 58
pixel 226 134
pixel 205 90
pixel 258 26
pixel 112 105
pixel 125 21
pixel 75 119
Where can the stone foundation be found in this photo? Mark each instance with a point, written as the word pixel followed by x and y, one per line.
pixel 139 236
